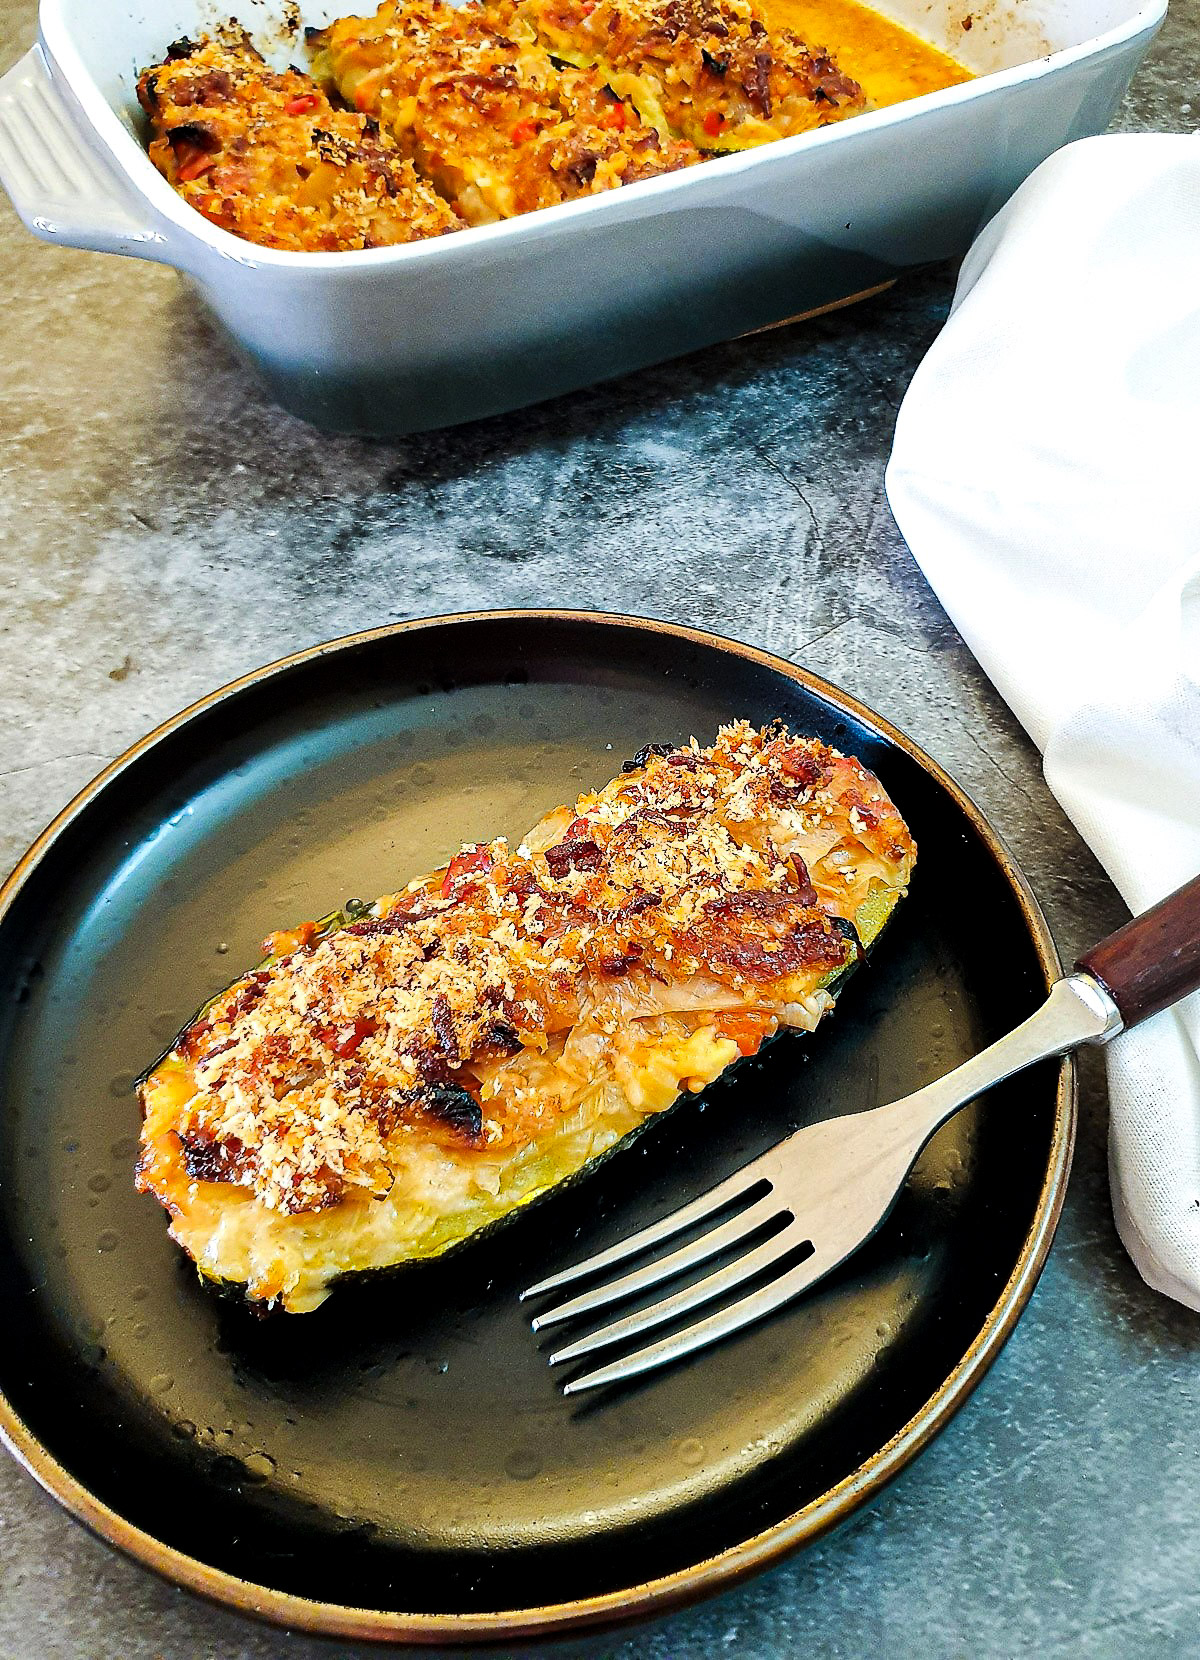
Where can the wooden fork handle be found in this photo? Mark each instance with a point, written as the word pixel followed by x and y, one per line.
pixel 1154 960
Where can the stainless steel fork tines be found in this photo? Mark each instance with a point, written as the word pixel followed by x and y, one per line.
pixel 802 1208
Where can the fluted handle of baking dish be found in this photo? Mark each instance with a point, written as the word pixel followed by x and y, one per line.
pixel 63 191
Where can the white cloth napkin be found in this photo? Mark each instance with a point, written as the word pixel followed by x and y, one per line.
pixel 1046 476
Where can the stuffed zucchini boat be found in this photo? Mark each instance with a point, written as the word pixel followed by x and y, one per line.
pixel 399 1076
pixel 708 71
pixel 269 158
pixel 486 114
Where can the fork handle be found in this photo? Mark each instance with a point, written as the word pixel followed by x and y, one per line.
pixel 1154 960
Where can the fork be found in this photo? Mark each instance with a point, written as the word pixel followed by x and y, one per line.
pixel 825 1190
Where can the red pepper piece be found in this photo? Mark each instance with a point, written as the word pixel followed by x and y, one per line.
pixel 464 870
pixel 302 105
pixel 615 118
pixel 523 131
pixel 191 161
pixel 746 1030
pixel 713 122
pixel 347 1038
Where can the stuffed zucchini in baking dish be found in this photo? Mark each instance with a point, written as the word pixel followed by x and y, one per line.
pixel 399 1076
pixel 486 114
pixel 708 71
pixel 267 156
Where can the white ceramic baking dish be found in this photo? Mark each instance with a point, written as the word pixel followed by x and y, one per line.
pixel 394 340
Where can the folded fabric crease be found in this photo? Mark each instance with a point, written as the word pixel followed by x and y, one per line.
pixel 1043 476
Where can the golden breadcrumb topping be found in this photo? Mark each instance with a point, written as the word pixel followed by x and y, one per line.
pixel 483 110
pixel 705 70
pixel 268 157
pixel 472 113
pixel 716 884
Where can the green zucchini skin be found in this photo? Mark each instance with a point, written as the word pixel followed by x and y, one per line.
pixel 234 1292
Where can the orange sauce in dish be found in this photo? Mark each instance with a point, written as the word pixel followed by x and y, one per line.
pixel 887 61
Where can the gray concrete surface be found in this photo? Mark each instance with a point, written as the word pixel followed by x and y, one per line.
pixel 163 529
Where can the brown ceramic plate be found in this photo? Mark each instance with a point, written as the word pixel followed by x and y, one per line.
pixel 401 1463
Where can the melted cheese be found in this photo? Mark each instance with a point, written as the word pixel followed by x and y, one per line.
pixel 438 1198
pixel 888 61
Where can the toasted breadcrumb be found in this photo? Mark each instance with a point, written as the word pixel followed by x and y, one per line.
pixel 472 113
pixel 485 112
pixel 267 156
pixel 698 883
pixel 708 71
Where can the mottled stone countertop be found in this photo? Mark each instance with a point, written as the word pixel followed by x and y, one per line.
pixel 163 529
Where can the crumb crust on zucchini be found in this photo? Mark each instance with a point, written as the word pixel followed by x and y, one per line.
pixel 497 124
pixel 266 156
pixel 708 71
pixel 426 115
pixel 398 1076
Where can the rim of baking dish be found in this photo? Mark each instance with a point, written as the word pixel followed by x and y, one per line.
pixel 717 1572
pixel 128 155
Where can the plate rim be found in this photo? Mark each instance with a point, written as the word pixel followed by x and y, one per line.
pixel 728 1567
